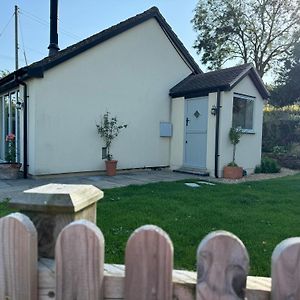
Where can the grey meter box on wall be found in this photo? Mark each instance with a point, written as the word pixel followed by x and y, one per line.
pixel 165 129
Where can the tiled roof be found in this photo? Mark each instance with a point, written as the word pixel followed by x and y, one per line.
pixel 225 79
pixel 36 69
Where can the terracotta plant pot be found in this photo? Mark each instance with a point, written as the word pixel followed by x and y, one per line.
pixel 9 170
pixel 111 167
pixel 233 172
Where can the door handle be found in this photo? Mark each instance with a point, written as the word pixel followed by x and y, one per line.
pixel 187 120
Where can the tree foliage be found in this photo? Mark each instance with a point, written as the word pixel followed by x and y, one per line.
pixel 3 73
pixel 287 89
pixel 235 135
pixel 254 31
pixel 109 129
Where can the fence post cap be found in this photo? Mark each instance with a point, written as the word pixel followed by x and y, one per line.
pixel 63 198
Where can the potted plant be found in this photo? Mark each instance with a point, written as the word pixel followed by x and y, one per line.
pixel 10 169
pixel 232 170
pixel 109 129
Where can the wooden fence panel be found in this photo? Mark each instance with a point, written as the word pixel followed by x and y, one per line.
pixel 222 267
pixel 149 265
pixel 79 256
pixel 18 258
pixel 286 270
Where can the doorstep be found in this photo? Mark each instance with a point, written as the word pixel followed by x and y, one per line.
pixel 193 171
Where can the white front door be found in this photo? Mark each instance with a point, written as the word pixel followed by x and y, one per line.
pixel 196 114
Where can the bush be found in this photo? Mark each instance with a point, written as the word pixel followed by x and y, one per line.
pixel 268 165
pixel 281 128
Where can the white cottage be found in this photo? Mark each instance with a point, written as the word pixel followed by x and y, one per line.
pixel 177 116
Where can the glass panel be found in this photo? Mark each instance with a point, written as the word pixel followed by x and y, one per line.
pixel 13 103
pixel 6 120
pixel 242 113
pixel 2 138
pixel 18 127
pixel 9 122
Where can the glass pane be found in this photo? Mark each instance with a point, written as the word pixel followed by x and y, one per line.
pixel 13 103
pixel 18 128
pixel 242 113
pixel 6 120
pixel 2 138
pixel 6 114
pixel 249 115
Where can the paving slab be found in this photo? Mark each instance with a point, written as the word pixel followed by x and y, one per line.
pixel 15 188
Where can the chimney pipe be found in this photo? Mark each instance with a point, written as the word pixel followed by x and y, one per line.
pixel 53 46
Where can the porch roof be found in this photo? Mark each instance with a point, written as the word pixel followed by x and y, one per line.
pixel 221 80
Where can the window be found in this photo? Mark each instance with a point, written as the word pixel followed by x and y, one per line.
pixel 9 122
pixel 243 112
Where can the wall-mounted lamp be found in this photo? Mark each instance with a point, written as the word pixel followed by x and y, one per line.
pixel 213 110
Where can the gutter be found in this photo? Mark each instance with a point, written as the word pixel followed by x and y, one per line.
pixel 217 134
pixel 25 129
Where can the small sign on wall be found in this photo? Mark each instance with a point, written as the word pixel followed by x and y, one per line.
pixel 166 129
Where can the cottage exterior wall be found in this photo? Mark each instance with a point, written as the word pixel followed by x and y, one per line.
pixel 178 138
pixel 211 134
pixel 248 153
pixel 128 75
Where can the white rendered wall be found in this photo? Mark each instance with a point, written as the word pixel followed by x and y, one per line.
pixel 178 138
pixel 248 151
pixel 129 75
pixel 211 134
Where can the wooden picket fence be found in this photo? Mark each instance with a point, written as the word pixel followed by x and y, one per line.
pixel 78 271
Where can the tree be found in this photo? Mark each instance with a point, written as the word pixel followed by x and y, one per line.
pixel 254 31
pixel 3 73
pixel 287 89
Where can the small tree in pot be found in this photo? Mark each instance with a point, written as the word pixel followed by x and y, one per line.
pixel 109 129
pixel 232 170
pixel 10 169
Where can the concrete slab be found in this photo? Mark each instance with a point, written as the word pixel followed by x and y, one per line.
pixel 15 188
pixel 192 184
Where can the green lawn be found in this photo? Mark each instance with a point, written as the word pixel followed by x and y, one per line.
pixel 261 214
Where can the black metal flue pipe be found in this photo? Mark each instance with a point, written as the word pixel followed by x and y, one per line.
pixel 53 46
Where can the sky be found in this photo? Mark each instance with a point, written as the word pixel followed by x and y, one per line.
pixel 79 20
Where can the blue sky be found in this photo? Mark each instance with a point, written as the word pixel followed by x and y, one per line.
pixel 80 19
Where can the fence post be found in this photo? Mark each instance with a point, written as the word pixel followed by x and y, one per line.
pixel 286 270
pixel 149 265
pixel 79 256
pixel 18 258
pixel 53 206
pixel 222 267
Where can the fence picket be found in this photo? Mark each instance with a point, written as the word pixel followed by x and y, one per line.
pixel 18 258
pixel 286 270
pixel 222 267
pixel 149 265
pixel 79 256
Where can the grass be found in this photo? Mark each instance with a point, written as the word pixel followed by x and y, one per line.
pixel 261 214
pixel 4 210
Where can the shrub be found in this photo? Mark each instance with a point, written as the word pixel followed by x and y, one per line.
pixel 268 165
pixel 281 128
pixel 109 129
pixel 235 134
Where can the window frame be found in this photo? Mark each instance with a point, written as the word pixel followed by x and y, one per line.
pixel 248 98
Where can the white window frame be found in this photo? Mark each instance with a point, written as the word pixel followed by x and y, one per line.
pixel 246 98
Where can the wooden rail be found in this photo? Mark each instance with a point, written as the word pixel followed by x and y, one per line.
pixel 184 283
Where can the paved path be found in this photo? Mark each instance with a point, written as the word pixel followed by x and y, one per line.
pixel 14 188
